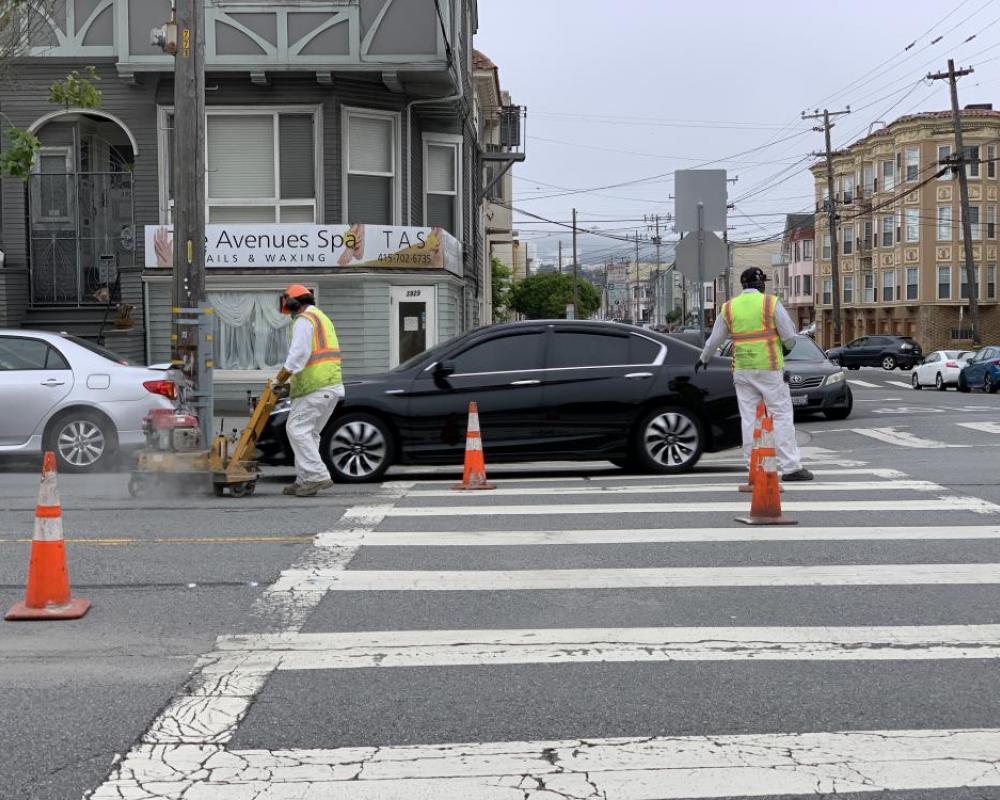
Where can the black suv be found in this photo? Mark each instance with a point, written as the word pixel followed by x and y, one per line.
pixel 887 352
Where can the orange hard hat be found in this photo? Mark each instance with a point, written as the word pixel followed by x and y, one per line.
pixel 295 291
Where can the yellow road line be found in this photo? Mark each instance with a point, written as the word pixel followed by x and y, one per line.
pixel 118 542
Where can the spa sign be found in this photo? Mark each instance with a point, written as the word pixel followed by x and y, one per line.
pixel 303 246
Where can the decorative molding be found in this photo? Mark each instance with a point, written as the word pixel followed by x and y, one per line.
pixel 94 112
pixel 912 197
pixel 944 193
pixel 911 255
pixel 943 253
pixel 391 80
pixel 886 260
pixel 324 78
pixel 259 79
pixel 975 192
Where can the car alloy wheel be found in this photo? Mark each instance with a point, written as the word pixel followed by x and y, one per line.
pixel 988 385
pixel 358 449
pixel 83 441
pixel 889 362
pixel 671 440
pixel 939 383
pixel 915 382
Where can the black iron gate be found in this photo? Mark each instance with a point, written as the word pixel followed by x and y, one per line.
pixel 82 230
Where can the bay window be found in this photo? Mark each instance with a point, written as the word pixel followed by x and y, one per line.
pixel 442 182
pixel 971 160
pixel 847 238
pixel 944 282
pixel 868 287
pixel 826 247
pixel 991 222
pixel 944 153
pixel 848 293
pixel 974 228
pixel 371 166
pixel 991 161
pixel 912 283
pixel 888 286
pixel 888 176
pixel 912 224
pixel 887 231
pixel 912 164
pixel 991 281
pixel 944 223
pixel 963 283
pixel 827 291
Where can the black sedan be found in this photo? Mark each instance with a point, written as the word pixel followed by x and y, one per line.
pixel 816 383
pixel 883 351
pixel 546 390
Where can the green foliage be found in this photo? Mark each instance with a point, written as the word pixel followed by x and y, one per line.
pixel 545 295
pixel 500 277
pixel 77 91
pixel 674 315
pixel 17 157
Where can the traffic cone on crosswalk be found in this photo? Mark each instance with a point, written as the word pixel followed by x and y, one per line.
pixel 474 474
pixel 755 451
pixel 47 594
pixel 765 503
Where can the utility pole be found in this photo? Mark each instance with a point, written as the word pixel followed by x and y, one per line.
pixel 192 341
pixel 959 161
pixel 655 219
pixel 560 256
pixel 576 288
pixel 638 294
pixel 832 216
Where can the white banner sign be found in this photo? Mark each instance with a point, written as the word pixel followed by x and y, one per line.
pixel 280 246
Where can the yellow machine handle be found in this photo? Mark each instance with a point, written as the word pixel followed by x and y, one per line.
pixel 247 444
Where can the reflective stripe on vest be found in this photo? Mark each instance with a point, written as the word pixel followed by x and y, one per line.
pixel 323 367
pixel 752 324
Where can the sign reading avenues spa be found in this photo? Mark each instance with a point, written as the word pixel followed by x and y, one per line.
pixel 295 246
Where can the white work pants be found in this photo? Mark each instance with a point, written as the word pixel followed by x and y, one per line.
pixel 306 420
pixel 754 386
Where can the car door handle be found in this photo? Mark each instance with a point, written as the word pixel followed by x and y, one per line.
pixel 637 376
pixel 395 391
pixel 53 382
pixel 525 383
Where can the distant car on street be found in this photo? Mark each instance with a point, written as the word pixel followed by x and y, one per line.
pixel 816 384
pixel 941 369
pixel 71 396
pixel 879 350
pixel 546 390
pixel 982 372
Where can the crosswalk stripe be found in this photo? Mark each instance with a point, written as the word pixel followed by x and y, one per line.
pixel 451 648
pixel 903 438
pixel 697 488
pixel 981 427
pixel 520 538
pixel 625 768
pixel 901 384
pixel 865 384
pixel 642 578
pixel 973 504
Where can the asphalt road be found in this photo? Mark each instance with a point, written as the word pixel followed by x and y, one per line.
pixel 578 633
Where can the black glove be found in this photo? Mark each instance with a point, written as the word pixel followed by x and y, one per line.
pixel 785 348
pixel 699 364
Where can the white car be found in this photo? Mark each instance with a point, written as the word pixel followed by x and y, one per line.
pixel 71 396
pixel 940 369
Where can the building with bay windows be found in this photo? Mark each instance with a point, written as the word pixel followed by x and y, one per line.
pixel 902 264
pixel 327 121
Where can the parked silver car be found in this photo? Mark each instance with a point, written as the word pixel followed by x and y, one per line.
pixel 68 395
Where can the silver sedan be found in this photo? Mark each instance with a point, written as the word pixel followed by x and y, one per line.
pixel 68 395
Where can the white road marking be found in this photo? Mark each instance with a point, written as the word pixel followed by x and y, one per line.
pixel 638 768
pixel 696 488
pixel 903 438
pixel 875 399
pixel 675 535
pixel 981 427
pixel 973 504
pixel 902 384
pixel 444 648
pixel 658 578
pixel 865 384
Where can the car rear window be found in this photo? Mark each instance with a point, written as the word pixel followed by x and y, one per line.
pixel 96 349
pixel 805 349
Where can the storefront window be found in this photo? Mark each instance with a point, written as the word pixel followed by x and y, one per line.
pixel 251 333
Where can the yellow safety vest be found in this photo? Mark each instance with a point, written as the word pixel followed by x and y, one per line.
pixel 323 367
pixel 756 343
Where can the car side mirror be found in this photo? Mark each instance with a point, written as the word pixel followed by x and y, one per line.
pixel 442 370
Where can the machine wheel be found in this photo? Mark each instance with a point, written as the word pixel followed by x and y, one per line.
pixel 357 448
pixel 889 362
pixel 915 381
pixel 219 489
pixel 244 489
pixel 668 440
pixel 939 383
pixel 82 440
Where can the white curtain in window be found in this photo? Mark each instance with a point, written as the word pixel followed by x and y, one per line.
pixel 251 332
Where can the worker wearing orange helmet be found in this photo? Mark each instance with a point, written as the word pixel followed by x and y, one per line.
pixel 316 386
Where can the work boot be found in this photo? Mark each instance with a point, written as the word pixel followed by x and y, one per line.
pixel 312 488
pixel 801 474
pixel 291 489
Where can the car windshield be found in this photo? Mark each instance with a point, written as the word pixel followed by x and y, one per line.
pixel 805 349
pixel 103 352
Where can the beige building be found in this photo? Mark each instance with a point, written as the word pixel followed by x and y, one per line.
pixel 900 232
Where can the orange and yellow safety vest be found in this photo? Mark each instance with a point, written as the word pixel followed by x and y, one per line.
pixel 756 343
pixel 323 367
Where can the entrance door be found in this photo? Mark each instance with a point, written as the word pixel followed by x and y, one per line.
pixel 413 322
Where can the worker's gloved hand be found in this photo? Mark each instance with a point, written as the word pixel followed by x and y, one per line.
pixel 785 348
pixel 699 364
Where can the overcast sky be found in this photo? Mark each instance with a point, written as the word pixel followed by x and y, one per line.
pixel 624 91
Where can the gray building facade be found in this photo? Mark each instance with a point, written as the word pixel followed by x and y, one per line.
pixel 345 113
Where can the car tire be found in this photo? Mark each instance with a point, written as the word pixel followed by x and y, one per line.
pixel 939 383
pixel 82 440
pixel 915 382
pixel 989 386
pixel 669 439
pixel 962 386
pixel 841 413
pixel 888 363
pixel 357 448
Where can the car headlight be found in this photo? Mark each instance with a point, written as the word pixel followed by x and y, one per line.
pixel 836 377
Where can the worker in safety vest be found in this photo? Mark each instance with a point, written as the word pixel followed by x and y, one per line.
pixel 313 365
pixel 762 334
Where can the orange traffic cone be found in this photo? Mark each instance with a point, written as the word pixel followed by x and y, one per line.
pixel 474 475
pixel 47 594
pixel 765 504
pixel 755 452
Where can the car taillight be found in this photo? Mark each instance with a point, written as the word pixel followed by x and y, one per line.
pixel 952 364
pixel 166 388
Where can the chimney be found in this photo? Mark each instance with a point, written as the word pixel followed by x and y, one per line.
pixel 979 107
